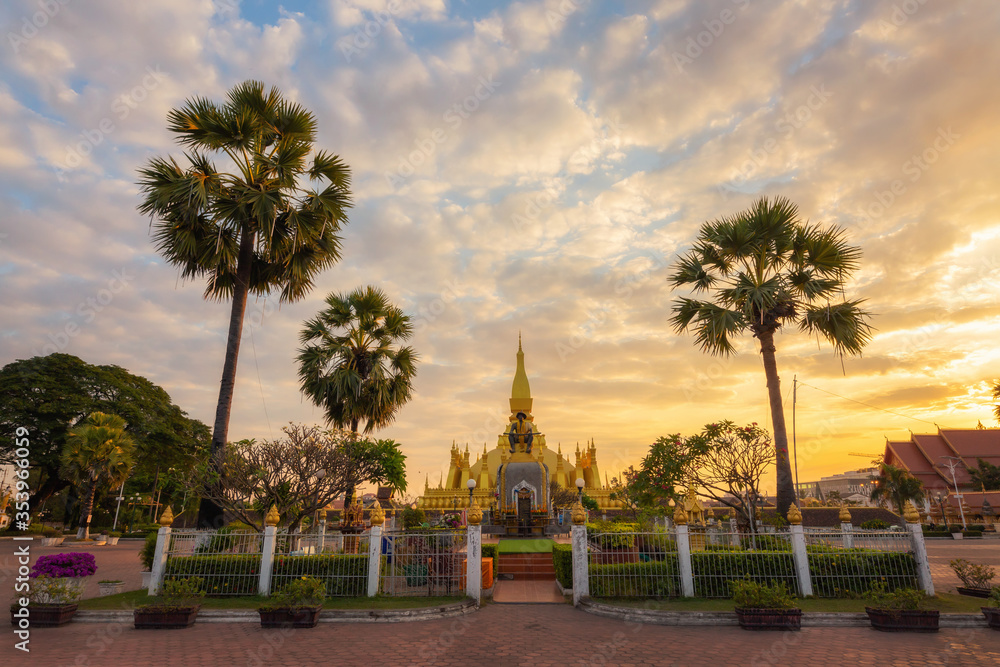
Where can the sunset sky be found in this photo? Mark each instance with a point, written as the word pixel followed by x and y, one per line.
pixel 537 167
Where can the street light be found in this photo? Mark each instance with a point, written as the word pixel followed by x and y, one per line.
pixel 320 474
pixel 951 464
pixel 472 487
pixel 579 488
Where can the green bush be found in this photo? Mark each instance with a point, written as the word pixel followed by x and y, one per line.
pixel 148 552
pixel 972 533
pixel 955 528
pixel 492 551
pixel 875 524
pixel 973 575
pixel 852 572
pixel 900 599
pixel 562 560
pixel 613 535
pixel 714 570
pixel 234 538
pixel 752 595
pixel 301 592
pixel 345 575
pixel 413 518
pixel 765 543
pixel 235 574
pixel 658 578
pixel 937 533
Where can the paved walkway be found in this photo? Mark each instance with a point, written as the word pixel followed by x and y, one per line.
pixel 527 590
pixel 501 635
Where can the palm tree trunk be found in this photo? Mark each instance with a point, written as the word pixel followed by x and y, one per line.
pixel 210 513
pixel 786 489
pixel 85 510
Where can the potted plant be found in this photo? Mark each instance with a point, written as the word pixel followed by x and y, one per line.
pixel 76 567
pixel 976 578
pixel 296 605
pixel 176 607
pixel 51 602
pixel 113 537
pixel 901 610
pixel 51 537
pixel 992 612
pixel 111 586
pixel 101 539
pixel 146 555
pixel 956 531
pixel 764 607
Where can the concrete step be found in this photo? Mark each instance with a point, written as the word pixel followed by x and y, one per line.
pixel 527 566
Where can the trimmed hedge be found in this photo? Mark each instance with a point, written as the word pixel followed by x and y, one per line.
pixel 972 533
pixel 852 572
pixel 239 574
pixel 562 560
pixel 937 533
pixel 657 578
pixel 712 571
pixel 492 551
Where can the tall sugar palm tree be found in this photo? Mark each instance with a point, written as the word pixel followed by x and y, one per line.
pixel 759 270
pixel 996 397
pixel 98 452
pixel 352 364
pixel 353 367
pixel 259 227
pixel 896 485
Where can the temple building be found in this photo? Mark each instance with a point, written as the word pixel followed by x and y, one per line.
pixel 529 445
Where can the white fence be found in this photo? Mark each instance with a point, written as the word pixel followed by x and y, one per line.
pixel 702 561
pixel 240 563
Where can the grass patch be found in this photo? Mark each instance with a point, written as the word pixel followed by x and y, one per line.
pixel 946 603
pixel 526 546
pixel 134 598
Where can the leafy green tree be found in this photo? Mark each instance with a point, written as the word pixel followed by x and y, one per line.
pixel 252 231
pixel 98 453
pixel 985 476
pixel 661 476
pixel 52 394
pixel 352 364
pixel 896 485
pixel 761 269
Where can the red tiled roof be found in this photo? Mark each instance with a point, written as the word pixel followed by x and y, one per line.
pixel 922 455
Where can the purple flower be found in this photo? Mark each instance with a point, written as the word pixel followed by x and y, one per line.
pixel 72 564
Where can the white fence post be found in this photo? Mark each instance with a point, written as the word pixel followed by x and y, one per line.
pixel 581 576
pixel 684 551
pixel 374 559
pixel 474 561
pixel 799 554
pixel 912 518
pixel 160 556
pixel 267 559
pixel 846 528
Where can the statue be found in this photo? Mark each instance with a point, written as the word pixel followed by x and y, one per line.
pixel 523 430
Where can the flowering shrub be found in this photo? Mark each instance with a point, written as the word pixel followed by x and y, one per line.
pixel 451 521
pixel 302 592
pixel 73 564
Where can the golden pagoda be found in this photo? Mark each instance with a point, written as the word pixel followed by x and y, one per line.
pixel 528 445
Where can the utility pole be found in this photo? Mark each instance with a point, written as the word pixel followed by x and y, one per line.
pixel 952 463
pixel 795 451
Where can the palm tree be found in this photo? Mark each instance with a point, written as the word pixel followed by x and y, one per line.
pixel 352 366
pixel 761 269
pixel 98 453
pixel 255 230
pixel 897 485
pixel 349 365
pixel 996 397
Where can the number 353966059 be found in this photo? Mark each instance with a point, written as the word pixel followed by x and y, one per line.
pixel 21 474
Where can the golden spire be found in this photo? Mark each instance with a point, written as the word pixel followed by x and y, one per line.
pixel 377 516
pixel 272 517
pixel 520 391
pixel 845 514
pixel 168 517
pixel 794 515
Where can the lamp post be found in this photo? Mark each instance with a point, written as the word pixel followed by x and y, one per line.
pixel 940 501
pixel 472 487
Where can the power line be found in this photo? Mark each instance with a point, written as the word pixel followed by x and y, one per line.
pixel 867 405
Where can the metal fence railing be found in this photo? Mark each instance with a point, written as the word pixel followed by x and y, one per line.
pixel 848 563
pixel 423 564
pixel 718 556
pixel 633 564
pixel 227 561
pixel 339 561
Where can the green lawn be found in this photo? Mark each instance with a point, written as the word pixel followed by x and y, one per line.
pixel 947 603
pixel 526 546
pixel 133 598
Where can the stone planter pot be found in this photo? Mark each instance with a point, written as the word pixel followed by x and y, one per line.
pixel 52 541
pixel 898 620
pixel 112 541
pixel 992 615
pixel 769 619
pixel 974 592
pixel 147 578
pixel 956 536
pixel 100 541
pixel 47 615
pixel 157 618
pixel 288 617
pixel 111 588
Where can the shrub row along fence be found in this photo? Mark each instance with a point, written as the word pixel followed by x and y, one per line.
pixel 240 563
pixel 702 562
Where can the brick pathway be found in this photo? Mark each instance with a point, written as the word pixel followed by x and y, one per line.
pixel 534 635
pixel 527 590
